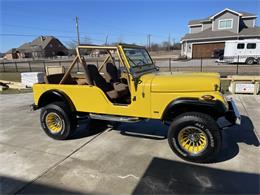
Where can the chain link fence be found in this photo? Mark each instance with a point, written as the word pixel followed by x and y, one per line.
pixel 228 66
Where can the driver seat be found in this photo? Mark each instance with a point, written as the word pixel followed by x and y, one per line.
pixel 94 78
pixel 111 74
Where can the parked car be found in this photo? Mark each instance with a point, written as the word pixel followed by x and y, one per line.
pixel 190 103
pixel 242 51
pixel 218 53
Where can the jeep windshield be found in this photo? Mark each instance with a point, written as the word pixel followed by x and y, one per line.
pixel 139 60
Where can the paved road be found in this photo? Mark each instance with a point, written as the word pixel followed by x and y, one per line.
pixel 131 158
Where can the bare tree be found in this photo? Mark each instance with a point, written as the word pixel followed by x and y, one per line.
pixel 72 44
pixel 155 47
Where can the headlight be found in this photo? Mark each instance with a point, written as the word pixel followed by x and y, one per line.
pixel 207 97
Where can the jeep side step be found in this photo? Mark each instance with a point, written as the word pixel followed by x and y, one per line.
pixel 127 119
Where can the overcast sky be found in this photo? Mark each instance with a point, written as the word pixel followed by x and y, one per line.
pixel 128 21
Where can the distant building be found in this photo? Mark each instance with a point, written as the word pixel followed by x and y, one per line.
pixel 209 34
pixel 43 46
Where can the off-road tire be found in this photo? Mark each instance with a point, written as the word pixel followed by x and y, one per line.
pixel 250 61
pixel 69 122
pixel 207 125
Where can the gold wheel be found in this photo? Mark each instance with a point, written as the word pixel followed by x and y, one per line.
pixel 54 122
pixel 193 140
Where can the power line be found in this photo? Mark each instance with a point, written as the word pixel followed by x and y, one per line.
pixel 36 28
pixel 34 35
pixel 48 29
pixel 30 35
pixel 128 33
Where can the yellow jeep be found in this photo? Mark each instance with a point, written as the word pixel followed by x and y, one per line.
pixel 190 103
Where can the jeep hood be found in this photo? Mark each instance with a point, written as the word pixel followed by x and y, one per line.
pixel 184 82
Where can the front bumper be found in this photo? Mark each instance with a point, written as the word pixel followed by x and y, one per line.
pixel 231 116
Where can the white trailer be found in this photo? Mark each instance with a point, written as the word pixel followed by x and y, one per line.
pixel 242 51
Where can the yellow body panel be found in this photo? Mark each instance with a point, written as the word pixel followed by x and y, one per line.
pixel 184 82
pixel 147 104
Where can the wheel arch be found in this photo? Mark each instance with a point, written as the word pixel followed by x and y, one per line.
pixel 181 105
pixel 53 96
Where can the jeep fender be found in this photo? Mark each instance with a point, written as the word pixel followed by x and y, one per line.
pixel 53 96
pixel 181 105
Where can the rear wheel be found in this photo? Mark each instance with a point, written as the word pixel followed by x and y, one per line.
pixel 195 137
pixel 57 121
pixel 250 61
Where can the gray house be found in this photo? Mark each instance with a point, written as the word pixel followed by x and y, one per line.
pixel 208 34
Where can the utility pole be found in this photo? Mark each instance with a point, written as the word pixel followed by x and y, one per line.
pixel 169 42
pixel 147 44
pixel 149 41
pixel 106 40
pixel 173 41
pixel 77 26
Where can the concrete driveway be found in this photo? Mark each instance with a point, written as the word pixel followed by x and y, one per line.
pixel 128 159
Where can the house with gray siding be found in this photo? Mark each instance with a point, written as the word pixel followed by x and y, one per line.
pixel 208 34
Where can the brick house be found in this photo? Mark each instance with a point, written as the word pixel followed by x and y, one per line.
pixel 43 46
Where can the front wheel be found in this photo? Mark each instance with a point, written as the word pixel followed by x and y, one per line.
pixel 195 137
pixel 57 121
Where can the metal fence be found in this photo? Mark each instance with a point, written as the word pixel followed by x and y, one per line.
pixel 165 64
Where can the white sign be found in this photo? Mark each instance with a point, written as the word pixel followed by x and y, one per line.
pixel 30 78
pixel 244 88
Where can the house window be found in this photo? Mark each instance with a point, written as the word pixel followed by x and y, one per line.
pixel 251 46
pixel 225 24
pixel 240 46
pixel 51 45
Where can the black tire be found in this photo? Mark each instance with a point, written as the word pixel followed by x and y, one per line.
pixel 258 61
pixel 202 123
pixel 67 119
pixel 250 61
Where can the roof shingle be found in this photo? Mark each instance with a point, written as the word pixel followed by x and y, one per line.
pixel 199 21
pixel 209 34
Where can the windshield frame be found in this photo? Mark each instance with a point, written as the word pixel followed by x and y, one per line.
pixel 136 73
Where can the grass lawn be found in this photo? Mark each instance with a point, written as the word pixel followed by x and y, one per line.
pixel 10 76
pixel 16 91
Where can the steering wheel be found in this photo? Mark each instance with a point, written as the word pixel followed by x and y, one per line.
pixel 140 62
